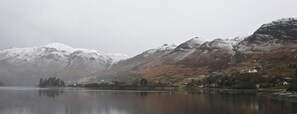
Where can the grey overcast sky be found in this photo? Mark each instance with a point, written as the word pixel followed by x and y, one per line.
pixel 132 26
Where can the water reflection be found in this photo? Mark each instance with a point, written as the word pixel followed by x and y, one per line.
pixel 143 93
pixel 71 101
pixel 52 93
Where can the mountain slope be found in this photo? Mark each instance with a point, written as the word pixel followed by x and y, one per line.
pixel 128 69
pixel 271 48
pixel 153 66
pixel 25 66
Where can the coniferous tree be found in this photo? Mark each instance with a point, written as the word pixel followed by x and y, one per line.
pixel 62 83
pixel 293 86
pixel 143 82
pixel 41 83
pixel 295 81
pixel 45 82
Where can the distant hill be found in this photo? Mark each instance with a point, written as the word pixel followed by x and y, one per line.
pixel 25 66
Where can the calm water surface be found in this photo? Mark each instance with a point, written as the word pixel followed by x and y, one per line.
pixel 27 100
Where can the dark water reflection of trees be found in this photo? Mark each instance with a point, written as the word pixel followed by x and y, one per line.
pixel 52 93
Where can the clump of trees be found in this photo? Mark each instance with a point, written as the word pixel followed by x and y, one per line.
pixel 143 82
pixel 51 82
pixel 194 84
pixel 136 84
pixel 241 81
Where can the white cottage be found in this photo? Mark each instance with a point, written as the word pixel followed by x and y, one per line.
pixel 252 70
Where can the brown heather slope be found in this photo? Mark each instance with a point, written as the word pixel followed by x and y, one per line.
pixel 271 48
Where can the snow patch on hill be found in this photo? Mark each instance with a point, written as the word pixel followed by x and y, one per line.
pixel 59 46
pixel 195 41
pixel 283 21
pixel 165 47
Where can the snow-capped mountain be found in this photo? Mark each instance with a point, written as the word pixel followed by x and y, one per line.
pixel 191 44
pixel 271 36
pixel 163 49
pixel 170 58
pixel 58 51
pixel 272 47
pixel 55 59
pixel 141 61
pixel 284 22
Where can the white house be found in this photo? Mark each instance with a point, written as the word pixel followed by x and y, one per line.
pixel 252 70
pixel 285 83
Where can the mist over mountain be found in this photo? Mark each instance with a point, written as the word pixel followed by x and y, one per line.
pixel 25 66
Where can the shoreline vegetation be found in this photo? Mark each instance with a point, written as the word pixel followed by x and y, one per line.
pixel 273 93
pixel 246 81
pixel 143 84
pixel 275 87
pixel 276 91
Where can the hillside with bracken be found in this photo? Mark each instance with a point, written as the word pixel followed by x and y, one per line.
pixel 266 53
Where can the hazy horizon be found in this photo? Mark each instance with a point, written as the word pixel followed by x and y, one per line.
pixel 132 26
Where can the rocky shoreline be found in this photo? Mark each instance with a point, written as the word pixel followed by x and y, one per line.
pixel 283 95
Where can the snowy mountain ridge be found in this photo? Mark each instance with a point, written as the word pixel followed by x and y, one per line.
pixel 60 50
pixel 191 44
pixel 165 47
pixel 283 21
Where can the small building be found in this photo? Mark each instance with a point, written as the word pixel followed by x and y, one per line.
pixel 285 83
pixel 252 70
pixel 257 86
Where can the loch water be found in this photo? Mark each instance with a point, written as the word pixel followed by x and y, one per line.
pixel 31 100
